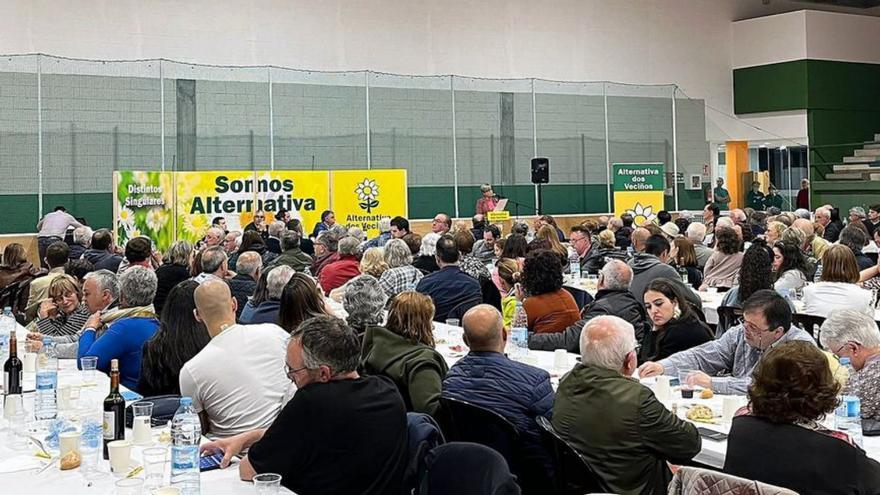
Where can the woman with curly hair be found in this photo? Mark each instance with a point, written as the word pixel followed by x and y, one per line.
pixel 549 307
pixel 755 275
pixel 789 267
pixel 722 268
pixel 792 391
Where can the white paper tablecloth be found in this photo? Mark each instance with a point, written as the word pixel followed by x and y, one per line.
pixel 53 481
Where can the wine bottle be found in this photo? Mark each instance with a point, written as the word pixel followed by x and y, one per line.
pixel 114 410
pixel 12 369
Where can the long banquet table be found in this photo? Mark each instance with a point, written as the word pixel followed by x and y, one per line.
pixel 21 470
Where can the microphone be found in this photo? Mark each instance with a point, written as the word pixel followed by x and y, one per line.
pixel 497 196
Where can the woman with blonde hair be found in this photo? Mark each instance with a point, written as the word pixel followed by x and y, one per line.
pixel 547 235
pixel 838 286
pixel 509 274
pixel 373 262
pixel 62 312
pixel 774 232
pixel 403 350
pixel 606 250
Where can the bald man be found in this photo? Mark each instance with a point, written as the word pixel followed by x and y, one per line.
pixel 814 245
pixel 615 422
pixel 639 236
pixel 517 391
pixel 237 381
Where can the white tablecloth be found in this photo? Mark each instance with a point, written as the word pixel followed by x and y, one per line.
pixel 53 481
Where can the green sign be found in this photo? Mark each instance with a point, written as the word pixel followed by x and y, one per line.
pixel 638 177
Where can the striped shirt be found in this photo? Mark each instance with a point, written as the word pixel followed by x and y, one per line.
pixel 64 324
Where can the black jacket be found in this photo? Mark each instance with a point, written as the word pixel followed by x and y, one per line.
pixel 242 287
pixel 832 231
pixel 622 237
pixel 677 335
pixel 808 462
pixel 596 260
pixel 608 302
pixel 426 264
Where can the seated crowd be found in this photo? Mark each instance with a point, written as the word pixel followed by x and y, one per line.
pixel 269 330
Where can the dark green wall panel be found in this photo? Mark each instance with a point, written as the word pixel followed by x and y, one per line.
pixel 843 86
pixel 770 88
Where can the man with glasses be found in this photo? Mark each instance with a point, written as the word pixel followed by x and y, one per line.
pixel 767 322
pixel 441 224
pixel 236 381
pixel 341 433
pixel 617 424
pixel 580 240
pixel 853 334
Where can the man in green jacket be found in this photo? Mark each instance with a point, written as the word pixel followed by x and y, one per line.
pixel 773 199
pixel 291 255
pixel 755 198
pixel 615 422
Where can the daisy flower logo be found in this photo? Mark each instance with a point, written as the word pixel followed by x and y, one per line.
pixel 126 217
pixel 156 218
pixel 367 192
pixel 195 224
pixel 641 214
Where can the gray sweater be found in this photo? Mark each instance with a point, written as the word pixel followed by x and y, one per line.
pixel 731 355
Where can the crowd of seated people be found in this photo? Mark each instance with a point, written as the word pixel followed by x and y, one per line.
pixel 336 330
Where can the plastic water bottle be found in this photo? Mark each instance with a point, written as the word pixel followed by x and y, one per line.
pixel 575 265
pixel 186 432
pixel 848 418
pixel 7 326
pixel 46 402
pixel 519 333
pixel 630 251
pixel 846 364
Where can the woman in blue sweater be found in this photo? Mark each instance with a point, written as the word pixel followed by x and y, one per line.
pixel 124 339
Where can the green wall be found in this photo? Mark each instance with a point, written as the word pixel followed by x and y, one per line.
pixel 424 202
pixel 842 100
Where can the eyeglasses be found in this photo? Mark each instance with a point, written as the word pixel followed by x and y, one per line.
pixel 290 372
pixel 846 344
pixel 577 239
pixel 753 329
pixel 259 216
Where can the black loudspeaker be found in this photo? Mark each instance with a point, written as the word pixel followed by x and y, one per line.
pixel 540 170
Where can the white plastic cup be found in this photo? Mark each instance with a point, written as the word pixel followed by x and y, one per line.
pixel 729 406
pixel 68 442
pixel 64 395
pixel 154 466
pixel 560 359
pixel 29 362
pixel 662 390
pixel 120 456
pixel 88 364
pixel 142 429
pixel 130 486
pixel 167 490
pixel 267 483
pixel 12 406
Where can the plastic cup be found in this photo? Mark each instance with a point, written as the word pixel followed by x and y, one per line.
pixel 267 483
pixel 142 429
pixel 167 490
pixel 154 466
pixel 69 442
pixel 453 322
pixel 64 395
pixel 29 359
pixel 130 486
pixel 687 391
pixel 662 389
pixel 560 359
pixel 120 456
pixel 88 364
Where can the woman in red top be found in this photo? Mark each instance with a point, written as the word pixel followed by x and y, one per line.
pixel 550 307
pixel 487 202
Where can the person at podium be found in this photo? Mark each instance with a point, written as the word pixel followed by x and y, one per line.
pixel 487 201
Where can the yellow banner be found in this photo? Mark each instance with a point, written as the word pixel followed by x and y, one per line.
pixel 643 206
pixel 237 195
pixel 362 197
pixel 498 216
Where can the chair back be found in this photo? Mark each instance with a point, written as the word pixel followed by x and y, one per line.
pixel 424 435
pixel 491 295
pixel 728 316
pixel 810 323
pixel 573 473
pixel 445 472
pixel 9 295
pixel 465 422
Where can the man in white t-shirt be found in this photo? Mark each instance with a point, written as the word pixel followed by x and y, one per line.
pixel 237 382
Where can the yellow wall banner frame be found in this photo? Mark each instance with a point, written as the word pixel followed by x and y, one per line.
pixel 169 206
pixel 362 197
pixel 638 190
